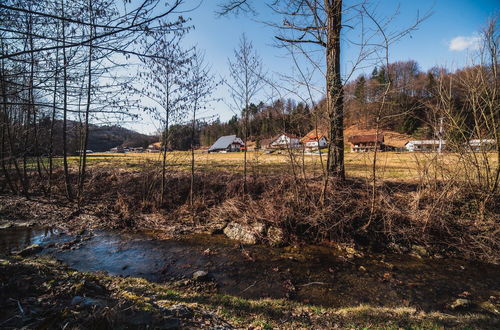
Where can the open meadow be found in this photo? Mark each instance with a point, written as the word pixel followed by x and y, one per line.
pixel 393 166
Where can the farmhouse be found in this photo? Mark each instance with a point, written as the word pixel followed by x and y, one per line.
pixel 314 139
pixel 425 145
pixel 482 144
pixel 154 147
pixel 366 143
pixel 228 143
pixel 284 141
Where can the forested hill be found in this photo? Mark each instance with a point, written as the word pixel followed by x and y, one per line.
pixel 101 138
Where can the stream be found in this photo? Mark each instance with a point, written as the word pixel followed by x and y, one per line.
pixel 319 275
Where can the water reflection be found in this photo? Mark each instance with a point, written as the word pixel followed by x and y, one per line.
pixel 16 238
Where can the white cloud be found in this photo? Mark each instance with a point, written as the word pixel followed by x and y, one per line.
pixel 462 43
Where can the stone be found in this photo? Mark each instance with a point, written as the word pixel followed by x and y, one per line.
pixel 216 227
pixel 200 275
pixel 248 234
pixel 86 302
pixel 419 250
pixel 276 236
pixel 30 250
pixel 460 304
pixel 181 311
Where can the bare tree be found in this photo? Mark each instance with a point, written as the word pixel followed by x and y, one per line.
pixel 201 85
pixel 246 81
pixel 165 87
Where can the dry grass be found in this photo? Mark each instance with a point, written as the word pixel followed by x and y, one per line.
pixel 409 167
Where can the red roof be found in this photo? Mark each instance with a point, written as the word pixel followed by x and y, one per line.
pixel 366 138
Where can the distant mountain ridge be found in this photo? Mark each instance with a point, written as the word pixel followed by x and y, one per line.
pixel 101 137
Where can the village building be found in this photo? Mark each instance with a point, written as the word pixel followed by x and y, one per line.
pixel 315 139
pixel 136 149
pixel 482 144
pixel 154 147
pixel 284 141
pixel 425 145
pixel 228 143
pixel 118 149
pixel 367 143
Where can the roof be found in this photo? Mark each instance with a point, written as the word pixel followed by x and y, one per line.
pixel 479 142
pixel 366 138
pixel 315 134
pixel 290 136
pixel 391 138
pixel 224 141
pixel 155 145
pixel 420 142
pixel 313 139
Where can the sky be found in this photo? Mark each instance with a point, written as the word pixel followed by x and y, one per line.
pixel 446 38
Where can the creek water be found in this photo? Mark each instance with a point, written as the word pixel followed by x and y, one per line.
pixel 321 275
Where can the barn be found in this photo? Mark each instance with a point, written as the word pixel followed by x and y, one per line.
pixel 366 143
pixel 228 143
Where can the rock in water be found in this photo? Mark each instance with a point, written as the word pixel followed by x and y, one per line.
pixel 244 233
pixel 276 236
pixel 200 275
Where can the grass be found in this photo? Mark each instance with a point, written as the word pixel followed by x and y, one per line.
pixel 390 165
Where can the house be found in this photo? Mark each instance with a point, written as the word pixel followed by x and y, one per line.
pixel 315 138
pixel 425 145
pixel 315 142
pixel 136 149
pixel 393 141
pixel 118 149
pixel 366 143
pixel 154 147
pixel 284 141
pixel 482 144
pixel 228 143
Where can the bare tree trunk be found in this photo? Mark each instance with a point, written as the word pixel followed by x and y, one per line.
pixel 69 193
pixel 52 122
pixel 335 96
pixel 164 145
pixel 191 189
pixel 87 109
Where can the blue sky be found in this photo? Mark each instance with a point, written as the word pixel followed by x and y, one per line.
pixel 446 38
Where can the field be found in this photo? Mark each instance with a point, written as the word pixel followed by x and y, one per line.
pixel 390 165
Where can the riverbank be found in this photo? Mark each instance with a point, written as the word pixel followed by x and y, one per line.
pixel 434 219
pixel 245 286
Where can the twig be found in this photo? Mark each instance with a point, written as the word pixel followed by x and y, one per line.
pixel 6 321
pixel 250 286
pixel 313 283
pixel 18 305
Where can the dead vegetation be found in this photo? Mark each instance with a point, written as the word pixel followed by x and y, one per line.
pixel 444 218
